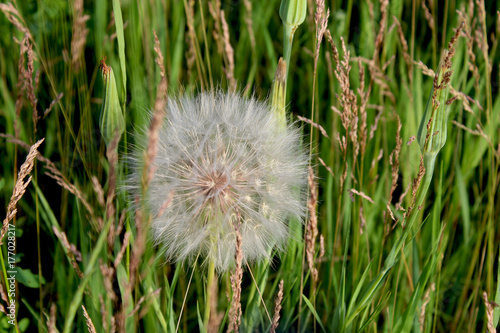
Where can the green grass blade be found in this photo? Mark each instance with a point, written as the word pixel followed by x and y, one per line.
pixel 313 311
pixel 77 298
pixel 117 11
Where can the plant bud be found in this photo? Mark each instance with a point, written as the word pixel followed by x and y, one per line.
pixel 111 120
pixel 292 13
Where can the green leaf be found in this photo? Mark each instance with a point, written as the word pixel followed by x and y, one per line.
pixel 117 11
pixel 28 279
pixel 464 202
pixel 23 324
pixel 311 307
pixel 200 319
pixel 90 265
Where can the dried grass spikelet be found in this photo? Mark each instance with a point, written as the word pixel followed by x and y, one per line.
pixel 71 250
pixel 79 34
pixel 228 49
pixel 311 231
pixel 277 308
pixel 51 323
pixel 12 14
pixel 20 186
pixel 236 279
pixel 222 156
pixel 425 302
pixel 90 324
pixel 489 312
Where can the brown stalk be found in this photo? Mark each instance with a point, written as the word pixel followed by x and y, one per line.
pixel 394 161
pixel 404 43
pixel 326 166
pixel 428 15
pixel 425 302
pixel 312 227
pixel 3 294
pixel 359 193
pixel 380 35
pixel 249 22
pixel 15 18
pixel 79 34
pixel 71 250
pixel 489 312
pixel 229 70
pixel 104 314
pixel 364 95
pixel 193 50
pixel 20 187
pixel 142 219
pixel 215 316
pixel 107 276
pixel 98 190
pixel 51 323
pixel 277 308
pixel 416 184
pixel 120 254
pixel 236 278
pixel 313 124
pixel 21 83
pixel 214 9
pixel 30 88
pixel 90 324
pixel 51 106
pixel 161 90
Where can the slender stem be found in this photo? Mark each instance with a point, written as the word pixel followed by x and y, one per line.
pixel 37 214
pixel 258 290
pixel 185 297
pixel 12 299
pixel 287 45
pixel 210 282
pixel 207 54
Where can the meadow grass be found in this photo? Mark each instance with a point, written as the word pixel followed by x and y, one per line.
pixel 389 244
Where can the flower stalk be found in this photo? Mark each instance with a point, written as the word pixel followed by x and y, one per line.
pixel 293 14
pixel 210 281
pixel 278 94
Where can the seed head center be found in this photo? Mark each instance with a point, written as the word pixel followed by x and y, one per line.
pixel 214 184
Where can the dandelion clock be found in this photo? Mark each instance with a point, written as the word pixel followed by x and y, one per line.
pixel 223 163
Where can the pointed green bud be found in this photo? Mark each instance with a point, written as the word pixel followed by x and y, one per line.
pixel 292 13
pixel 278 93
pixel 111 120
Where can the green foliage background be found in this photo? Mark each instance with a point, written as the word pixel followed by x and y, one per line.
pixel 453 246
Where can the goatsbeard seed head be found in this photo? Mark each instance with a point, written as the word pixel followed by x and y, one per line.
pixel 223 161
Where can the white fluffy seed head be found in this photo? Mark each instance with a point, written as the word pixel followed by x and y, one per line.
pixel 223 161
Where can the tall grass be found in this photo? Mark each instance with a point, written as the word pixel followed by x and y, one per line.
pixel 85 260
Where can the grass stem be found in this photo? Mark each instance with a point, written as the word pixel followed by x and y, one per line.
pixel 209 289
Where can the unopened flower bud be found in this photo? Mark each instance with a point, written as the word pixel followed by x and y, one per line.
pixel 111 120
pixel 292 13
